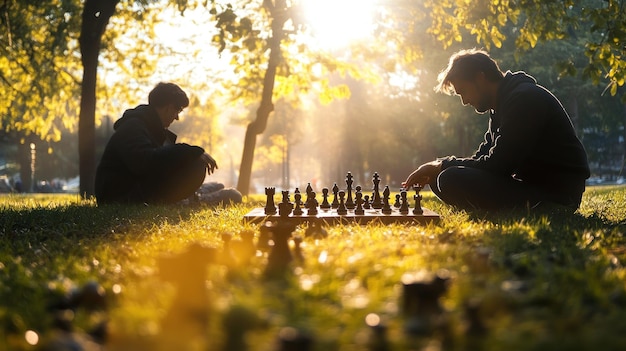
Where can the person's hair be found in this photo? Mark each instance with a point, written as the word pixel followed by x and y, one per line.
pixel 465 65
pixel 168 93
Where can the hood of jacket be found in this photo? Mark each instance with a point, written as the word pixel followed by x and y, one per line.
pixel 149 116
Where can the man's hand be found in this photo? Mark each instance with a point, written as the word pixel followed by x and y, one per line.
pixel 423 174
pixel 211 165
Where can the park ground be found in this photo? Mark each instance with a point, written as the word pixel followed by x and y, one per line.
pixel 73 273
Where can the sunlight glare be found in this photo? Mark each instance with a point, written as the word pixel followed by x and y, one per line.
pixel 338 23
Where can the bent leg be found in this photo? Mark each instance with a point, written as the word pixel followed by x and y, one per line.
pixel 471 188
pixel 178 184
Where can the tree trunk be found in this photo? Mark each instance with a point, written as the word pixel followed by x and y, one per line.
pixel 96 15
pixel 258 126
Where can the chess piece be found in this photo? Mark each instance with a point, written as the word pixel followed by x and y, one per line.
pixel 341 209
pixel 227 257
pixel 238 321
pixel 280 255
pixel 315 230
pixel 285 207
pixel 244 249
pixel 378 333
pixel 377 202
pixel 335 203
pixel 265 234
pixel 421 305
pixel 311 204
pixel 325 204
pixel 187 317
pixel 366 202
pixel 359 202
pixel 291 339
pixel 270 207
pixel 297 250
pixel 397 203
pixel 349 201
pixel 386 209
pixel 418 200
pixel 297 211
pixel 404 203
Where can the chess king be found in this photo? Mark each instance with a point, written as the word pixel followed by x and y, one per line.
pixel 530 155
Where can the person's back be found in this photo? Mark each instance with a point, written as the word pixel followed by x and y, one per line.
pixel 142 163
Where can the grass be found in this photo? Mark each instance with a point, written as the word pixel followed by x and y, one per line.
pixel 537 281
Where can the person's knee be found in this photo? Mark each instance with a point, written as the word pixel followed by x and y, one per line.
pixel 451 179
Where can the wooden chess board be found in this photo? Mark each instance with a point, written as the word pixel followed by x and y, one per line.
pixel 330 216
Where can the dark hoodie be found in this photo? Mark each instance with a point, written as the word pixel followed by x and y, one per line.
pixel 140 152
pixel 531 138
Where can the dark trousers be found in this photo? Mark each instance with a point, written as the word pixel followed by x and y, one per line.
pixel 171 185
pixel 471 189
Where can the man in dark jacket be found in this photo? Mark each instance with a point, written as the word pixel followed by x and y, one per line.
pixel 142 163
pixel 530 153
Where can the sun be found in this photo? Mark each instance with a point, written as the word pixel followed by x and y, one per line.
pixel 338 23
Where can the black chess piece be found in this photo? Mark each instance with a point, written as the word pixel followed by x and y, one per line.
pixel 280 255
pixel 359 202
pixel 335 203
pixel 312 204
pixel 349 201
pixel 397 203
pixel 315 230
pixel 341 209
pixel 265 234
pixel 421 303
pixel 418 200
pixel 325 204
pixel 366 202
pixel 227 257
pixel 404 203
pixel 244 249
pixel 378 334
pixel 270 207
pixel 292 339
pixel 386 209
pixel 236 323
pixel 297 250
pixel 285 207
pixel 377 202
pixel 297 211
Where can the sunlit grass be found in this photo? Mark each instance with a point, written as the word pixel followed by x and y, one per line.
pixel 542 280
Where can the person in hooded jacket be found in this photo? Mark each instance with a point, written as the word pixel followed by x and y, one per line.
pixel 530 154
pixel 142 163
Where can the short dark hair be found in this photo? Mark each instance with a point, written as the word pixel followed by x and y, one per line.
pixel 464 65
pixel 168 93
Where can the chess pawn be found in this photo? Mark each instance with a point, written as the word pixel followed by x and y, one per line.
pixel 418 200
pixel 366 202
pixel 297 211
pixel 404 202
pixel 359 203
pixel 325 204
pixel 341 209
pixel 397 203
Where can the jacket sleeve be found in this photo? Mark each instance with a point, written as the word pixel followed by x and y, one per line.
pixel 522 121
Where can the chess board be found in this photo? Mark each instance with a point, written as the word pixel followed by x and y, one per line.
pixel 331 217
pixel 344 208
